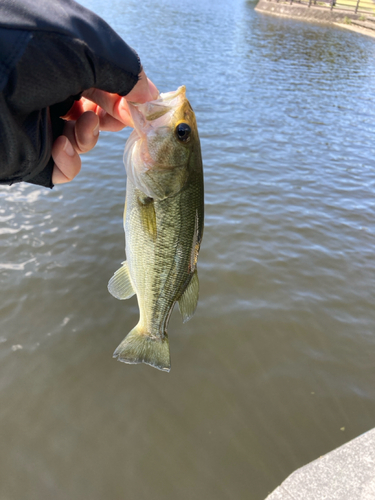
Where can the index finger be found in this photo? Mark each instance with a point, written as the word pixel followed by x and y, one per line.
pixel 113 104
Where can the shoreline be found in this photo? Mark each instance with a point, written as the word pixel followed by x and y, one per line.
pixel 341 18
pixel 356 29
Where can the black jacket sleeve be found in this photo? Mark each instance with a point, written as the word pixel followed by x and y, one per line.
pixel 50 52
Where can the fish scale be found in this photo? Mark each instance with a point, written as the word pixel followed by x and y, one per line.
pixel 159 282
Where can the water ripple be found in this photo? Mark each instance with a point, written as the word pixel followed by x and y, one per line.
pixel 279 355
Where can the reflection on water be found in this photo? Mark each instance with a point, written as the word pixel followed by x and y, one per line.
pixel 279 355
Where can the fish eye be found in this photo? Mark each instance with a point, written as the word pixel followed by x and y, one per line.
pixel 183 132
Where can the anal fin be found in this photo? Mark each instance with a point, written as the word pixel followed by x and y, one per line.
pixel 189 299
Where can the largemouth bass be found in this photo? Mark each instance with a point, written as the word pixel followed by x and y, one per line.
pixel 163 222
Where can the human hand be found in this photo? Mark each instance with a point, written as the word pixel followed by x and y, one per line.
pixel 96 110
pixel 59 53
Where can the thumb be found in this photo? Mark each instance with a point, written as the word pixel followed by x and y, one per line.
pixel 143 91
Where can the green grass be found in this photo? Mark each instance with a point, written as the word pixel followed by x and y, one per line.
pixel 364 5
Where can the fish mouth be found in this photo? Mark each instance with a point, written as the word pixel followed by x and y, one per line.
pixel 154 114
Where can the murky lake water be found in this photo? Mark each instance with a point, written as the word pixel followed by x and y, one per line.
pixel 277 367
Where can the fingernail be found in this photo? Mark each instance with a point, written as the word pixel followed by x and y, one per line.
pixel 124 113
pixel 68 148
pixel 95 132
pixel 124 105
pixel 152 90
pixel 101 113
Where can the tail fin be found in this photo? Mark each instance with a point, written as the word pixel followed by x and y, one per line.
pixel 139 347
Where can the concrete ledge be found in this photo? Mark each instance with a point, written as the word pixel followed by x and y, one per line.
pixel 347 473
pixel 304 12
pixel 357 28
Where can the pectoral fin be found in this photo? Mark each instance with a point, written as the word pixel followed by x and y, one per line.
pixel 148 214
pixel 120 285
pixel 189 299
